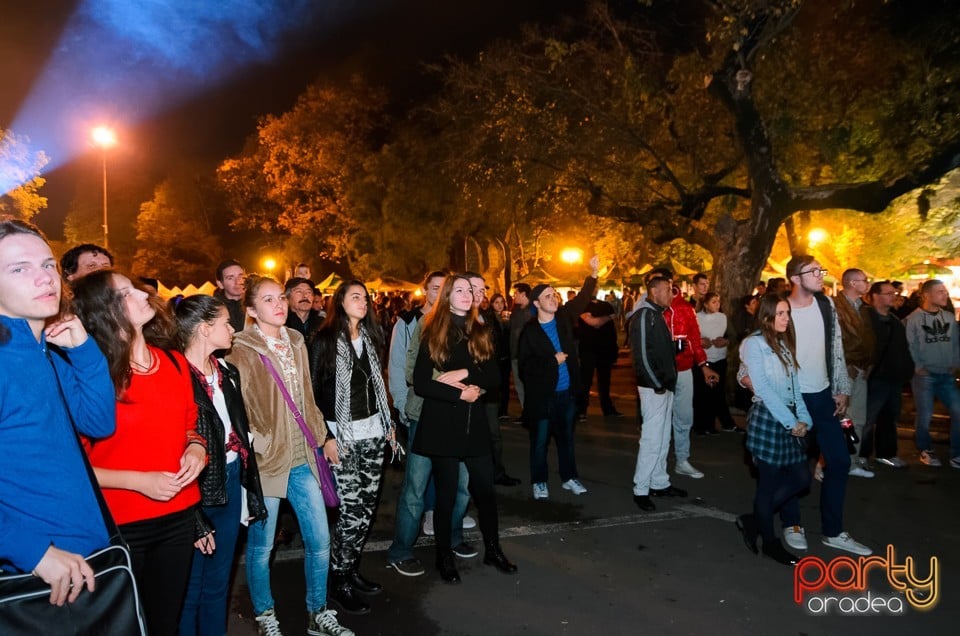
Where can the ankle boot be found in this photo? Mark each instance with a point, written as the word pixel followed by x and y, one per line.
pixel 494 556
pixel 361 584
pixel 775 550
pixel 341 592
pixel 747 525
pixel 447 567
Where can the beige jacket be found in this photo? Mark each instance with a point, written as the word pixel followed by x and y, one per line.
pixel 271 422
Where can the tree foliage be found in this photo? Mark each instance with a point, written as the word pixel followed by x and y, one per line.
pixel 20 180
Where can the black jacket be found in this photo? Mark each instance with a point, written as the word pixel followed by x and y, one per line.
pixel 651 344
pixel 891 354
pixel 448 426
pixel 212 479
pixel 323 353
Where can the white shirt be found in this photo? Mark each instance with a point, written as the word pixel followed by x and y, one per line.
pixel 811 347
pixel 220 403
pixel 713 326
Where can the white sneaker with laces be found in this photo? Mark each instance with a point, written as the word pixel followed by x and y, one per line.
pixel 540 491
pixel 469 522
pixel 324 623
pixel 574 486
pixel 795 537
pixel 686 468
pixel 428 523
pixel 844 541
pixel 892 462
pixel 267 624
pixel 928 458
pixel 859 471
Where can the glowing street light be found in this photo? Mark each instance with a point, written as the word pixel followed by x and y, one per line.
pixel 104 138
pixel 571 255
pixel 816 236
pixel 270 264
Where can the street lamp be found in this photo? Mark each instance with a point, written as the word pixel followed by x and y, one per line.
pixel 816 236
pixel 571 255
pixel 270 264
pixel 104 138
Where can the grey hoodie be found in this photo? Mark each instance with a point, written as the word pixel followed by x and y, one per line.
pixel 933 341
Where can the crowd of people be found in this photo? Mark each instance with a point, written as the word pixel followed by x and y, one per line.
pixel 202 415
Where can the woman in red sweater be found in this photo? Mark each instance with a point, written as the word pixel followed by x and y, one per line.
pixel 149 466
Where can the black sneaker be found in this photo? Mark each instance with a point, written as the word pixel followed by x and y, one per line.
pixel 669 491
pixel 407 567
pixel 465 551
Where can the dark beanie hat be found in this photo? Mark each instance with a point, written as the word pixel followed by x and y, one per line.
pixel 296 280
pixel 535 293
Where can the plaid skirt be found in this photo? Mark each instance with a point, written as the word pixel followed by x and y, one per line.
pixel 769 441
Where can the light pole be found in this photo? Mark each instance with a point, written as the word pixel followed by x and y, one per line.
pixel 104 138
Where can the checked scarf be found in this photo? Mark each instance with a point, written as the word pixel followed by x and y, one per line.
pixel 344 372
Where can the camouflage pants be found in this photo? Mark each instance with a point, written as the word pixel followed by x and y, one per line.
pixel 358 484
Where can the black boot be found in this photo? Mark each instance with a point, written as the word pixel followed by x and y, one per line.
pixel 344 595
pixel 494 556
pixel 361 584
pixel 446 566
pixel 775 550
pixel 747 525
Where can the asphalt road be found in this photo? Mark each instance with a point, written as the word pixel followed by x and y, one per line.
pixel 595 564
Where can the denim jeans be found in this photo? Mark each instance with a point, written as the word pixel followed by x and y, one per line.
pixel 303 491
pixel 682 415
pixel 883 411
pixel 943 387
pixel 836 460
pixel 558 423
pixel 205 606
pixel 777 489
pixel 410 504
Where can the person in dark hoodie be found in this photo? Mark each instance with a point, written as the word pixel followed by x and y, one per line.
pixel 656 369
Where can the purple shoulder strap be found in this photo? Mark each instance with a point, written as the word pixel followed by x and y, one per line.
pixel 297 415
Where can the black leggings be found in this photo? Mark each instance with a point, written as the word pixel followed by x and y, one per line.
pixel 162 552
pixel 446 471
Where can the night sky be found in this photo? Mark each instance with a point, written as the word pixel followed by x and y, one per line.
pixel 387 41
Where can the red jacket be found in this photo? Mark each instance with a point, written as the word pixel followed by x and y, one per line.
pixel 682 321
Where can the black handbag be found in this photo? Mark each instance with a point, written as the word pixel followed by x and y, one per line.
pixel 112 608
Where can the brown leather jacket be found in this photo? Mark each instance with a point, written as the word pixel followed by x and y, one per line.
pixel 857 332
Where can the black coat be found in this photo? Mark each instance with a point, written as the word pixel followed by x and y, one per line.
pixel 448 426
pixel 213 478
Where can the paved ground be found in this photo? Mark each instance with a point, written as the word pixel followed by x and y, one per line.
pixel 595 564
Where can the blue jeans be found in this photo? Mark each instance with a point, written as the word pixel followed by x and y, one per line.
pixel 943 387
pixel 777 489
pixel 561 411
pixel 410 504
pixel 205 606
pixel 303 491
pixel 836 460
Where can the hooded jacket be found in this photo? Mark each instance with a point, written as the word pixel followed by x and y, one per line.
pixel 652 348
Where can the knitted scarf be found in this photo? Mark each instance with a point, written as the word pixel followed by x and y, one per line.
pixel 344 373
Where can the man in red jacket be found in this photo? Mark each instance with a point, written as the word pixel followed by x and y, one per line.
pixel 685 331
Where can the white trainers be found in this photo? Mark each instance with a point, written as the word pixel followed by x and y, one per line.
pixel 818 472
pixel 574 486
pixel 428 523
pixel 686 468
pixel 469 522
pixel 928 458
pixel 856 470
pixel 955 462
pixel 324 623
pixel 267 624
pixel 540 491
pixel 795 537
pixel 844 541
pixel 892 462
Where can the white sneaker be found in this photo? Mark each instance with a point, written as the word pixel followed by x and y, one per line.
pixel 686 468
pixel 324 623
pixel 574 486
pixel 540 491
pixel 859 471
pixel 892 462
pixel 428 523
pixel 267 624
pixel 469 522
pixel 795 537
pixel 955 462
pixel 928 458
pixel 818 472
pixel 844 541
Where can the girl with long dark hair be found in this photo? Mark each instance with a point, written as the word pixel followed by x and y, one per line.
pixel 149 466
pixel 777 423
pixel 203 326
pixel 454 366
pixel 348 385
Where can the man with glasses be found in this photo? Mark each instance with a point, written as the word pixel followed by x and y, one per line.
pixel 857 333
pixel 891 367
pixel 825 388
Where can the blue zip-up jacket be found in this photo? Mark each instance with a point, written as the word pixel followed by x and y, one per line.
pixel 45 493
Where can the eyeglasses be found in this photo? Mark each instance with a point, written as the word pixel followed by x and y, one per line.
pixel 860 280
pixel 815 272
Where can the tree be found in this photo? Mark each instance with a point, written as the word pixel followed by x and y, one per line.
pixel 718 131
pixel 20 179
pixel 175 231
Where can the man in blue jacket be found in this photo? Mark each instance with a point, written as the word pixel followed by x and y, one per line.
pixel 49 516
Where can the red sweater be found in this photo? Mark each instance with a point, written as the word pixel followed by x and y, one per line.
pixel 152 424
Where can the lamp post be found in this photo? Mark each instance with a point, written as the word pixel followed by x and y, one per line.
pixel 104 138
